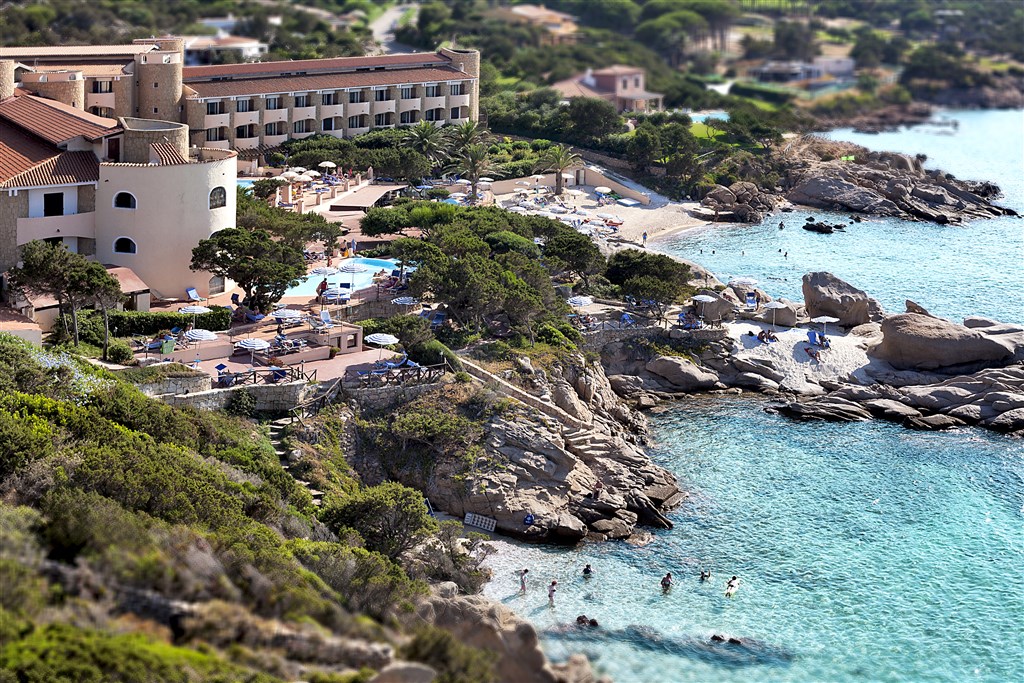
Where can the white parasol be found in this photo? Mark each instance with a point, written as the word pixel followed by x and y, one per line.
pixel 824 320
pixel 327 164
pixel 703 299
pixel 579 301
pixel 602 189
pixel 326 271
pixel 381 339
pixel 774 306
pixel 252 345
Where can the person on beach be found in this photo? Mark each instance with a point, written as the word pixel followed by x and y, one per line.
pixel 645 238
pixel 587 572
pixel 321 288
pixel 731 586
pixel 666 582
pixel 522 580
pixel 551 592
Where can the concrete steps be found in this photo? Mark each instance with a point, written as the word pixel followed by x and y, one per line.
pixel 277 434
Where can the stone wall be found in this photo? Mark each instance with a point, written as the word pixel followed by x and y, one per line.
pixel 270 398
pixel 192 384
pixel 515 392
pixel 383 398
pixel 11 209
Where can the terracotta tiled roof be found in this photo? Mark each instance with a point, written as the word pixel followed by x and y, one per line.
pixel 618 70
pixel 262 86
pixel 73 51
pixel 20 151
pixel 88 69
pixel 573 87
pixel 168 154
pixel 130 282
pixel 192 73
pixel 53 121
pixel 62 169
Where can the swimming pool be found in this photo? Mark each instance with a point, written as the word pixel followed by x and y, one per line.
pixel 244 183
pixel 307 288
pixel 700 117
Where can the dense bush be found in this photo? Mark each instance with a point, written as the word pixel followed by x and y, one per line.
pixel 145 323
pixel 759 92
pixel 391 518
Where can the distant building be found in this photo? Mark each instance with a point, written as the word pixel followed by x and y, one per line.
pixel 771 71
pixel 559 28
pixel 259 105
pixel 129 192
pixel 223 47
pixel 623 86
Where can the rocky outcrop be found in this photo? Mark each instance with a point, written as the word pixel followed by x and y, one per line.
pixel 743 200
pixel 912 341
pixel 884 184
pixel 682 374
pixel 478 622
pixel 992 398
pixel 825 294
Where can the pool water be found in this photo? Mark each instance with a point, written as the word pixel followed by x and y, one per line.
pixel 307 288
pixel 244 183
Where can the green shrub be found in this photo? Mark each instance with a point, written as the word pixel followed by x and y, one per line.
pixel 453 661
pixel 242 403
pixel 433 352
pixel 438 193
pixel 463 377
pixel 119 352
pixel 548 334
pixel 136 323
pixel 391 518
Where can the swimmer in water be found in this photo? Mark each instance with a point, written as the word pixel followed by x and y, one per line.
pixel 731 586
pixel 522 580
pixel 705 575
pixel 666 582
pixel 551 593
pixel 588 572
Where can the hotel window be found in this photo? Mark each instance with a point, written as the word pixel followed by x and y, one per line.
pixel 273 103
pixel 625 83
pixel 275 128
pixel 102 86
pixel 246 131
pixel 302 100
pixel 408 92
pixel 124 200
pixel 303 126
pixel 327 124
pixel 124 245
pixel 456 113
pixel 636 82
pixel 434 115
pixel 407 117
pixel 355 122
pixel 218 197
pixel 328 98
pixel 381 120
pixel 355 97
pixel 431 91
pixel 243 106
pixel 215 134
pixel 381 95
pixel 456 89
pixel 214 108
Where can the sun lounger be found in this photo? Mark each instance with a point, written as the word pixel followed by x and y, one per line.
pixel 193 295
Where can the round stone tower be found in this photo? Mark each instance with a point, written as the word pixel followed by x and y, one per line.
pixel 6 79
pixel 64 86
pixel 159 74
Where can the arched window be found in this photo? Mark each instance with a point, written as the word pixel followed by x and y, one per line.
pixel 124 200
pixel 124 245
pixel 218 197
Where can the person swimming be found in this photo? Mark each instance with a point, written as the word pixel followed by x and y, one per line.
pixel 666 582
pixel 732 586
pixel 705 575
pixel 522 580
pixel 588 572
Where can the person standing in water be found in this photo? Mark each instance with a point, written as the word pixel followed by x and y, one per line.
pixel 522 580
pixel 666 582
pixel 587 572
pixel 731 587
pixel 551 593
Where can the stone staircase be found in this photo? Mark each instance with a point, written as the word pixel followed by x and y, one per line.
pixel 277 438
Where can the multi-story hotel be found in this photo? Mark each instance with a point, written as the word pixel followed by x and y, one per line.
pixel 259 105
pixel 130 192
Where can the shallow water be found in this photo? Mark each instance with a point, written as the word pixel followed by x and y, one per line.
pixel 867 552
pixel 972 269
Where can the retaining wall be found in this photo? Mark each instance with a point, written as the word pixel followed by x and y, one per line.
pixel 270 398
pixel 383 398
pixel 177 385
pixel 512 391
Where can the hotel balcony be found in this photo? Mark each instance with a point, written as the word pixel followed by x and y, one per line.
pixel 99 99
pixel 300 113
pixel 352 132
pixel 46 227
pixel 434 103
pixel 274 140
pixel 409 104
pixel 387 106
pixel 272 115
pixel 216 121
pixel 299 136
pixel 458 101
pixel 218 144
pixel 246 143
pixel 246 117
pixel 357 109
pixel 330 111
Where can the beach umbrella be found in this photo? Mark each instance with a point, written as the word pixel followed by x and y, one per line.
pixel 458 195
pixel 288 175
pixel 743 281
pixel 774 306
pixel 484 184
pixel 486 180
pixel 299 169
pixel 579 301
pixel 516 209
pixel 312 174
pixel 538 176
pixel 568 176
pixel 194 310
pixel 574 193
pixel 252 345
pixel 380 339
pixel 327 164
pixel 704 299
pixel 351 267
pixel 523 182
pixel 406 301
pixel 824 320
pixel 286 314
pixel 303 178
pixel 463 181
pixel 601 189
pixel 608 216
pixel 421 188
pixel 335 292
pixel 325 271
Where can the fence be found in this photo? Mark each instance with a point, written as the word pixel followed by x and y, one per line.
pixel 398 377
pixel 480 522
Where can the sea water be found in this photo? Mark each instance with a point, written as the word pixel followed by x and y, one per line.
pixel 866 552
pixel 976 268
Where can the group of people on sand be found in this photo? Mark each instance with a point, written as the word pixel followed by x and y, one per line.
pixel 767 336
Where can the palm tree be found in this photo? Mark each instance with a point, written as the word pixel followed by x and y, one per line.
pixel 558 159
pixel 465 134
pixel 428 140
pixel 472 163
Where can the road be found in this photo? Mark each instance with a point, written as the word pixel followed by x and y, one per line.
pixel 384 26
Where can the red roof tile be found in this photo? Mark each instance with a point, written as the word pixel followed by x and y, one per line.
pixel 20 151
pixel 359 79
pixel 309 65
pixel 62 169
pixel 54 121
pixel 168 154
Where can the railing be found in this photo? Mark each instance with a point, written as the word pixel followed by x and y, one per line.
pixel 314 405
pixel 398 377
pixel 265 376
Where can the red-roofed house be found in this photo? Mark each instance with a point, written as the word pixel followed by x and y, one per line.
pixel 623 86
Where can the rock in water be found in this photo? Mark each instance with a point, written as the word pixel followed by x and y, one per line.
pixel 682 374
pixel 911 341
pixel 825 294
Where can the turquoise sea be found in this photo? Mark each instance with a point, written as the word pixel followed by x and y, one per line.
pixel 866 552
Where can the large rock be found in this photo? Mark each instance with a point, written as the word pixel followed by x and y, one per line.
pixel 916 342
pixel 682 374
pixel 721 308
pixel 405 672
pixel 833 191
pixel 825 294
pixel 785 317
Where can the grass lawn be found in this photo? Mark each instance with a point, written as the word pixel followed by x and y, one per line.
pixel 407 17
pixel 700 131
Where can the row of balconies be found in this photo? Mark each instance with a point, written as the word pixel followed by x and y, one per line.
pixel 335 110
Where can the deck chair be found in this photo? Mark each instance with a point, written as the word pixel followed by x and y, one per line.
pixel 812 336
pixel 193 295
pixel 391 365
pixel 325 319
pixel 235 299
pixel 438 320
